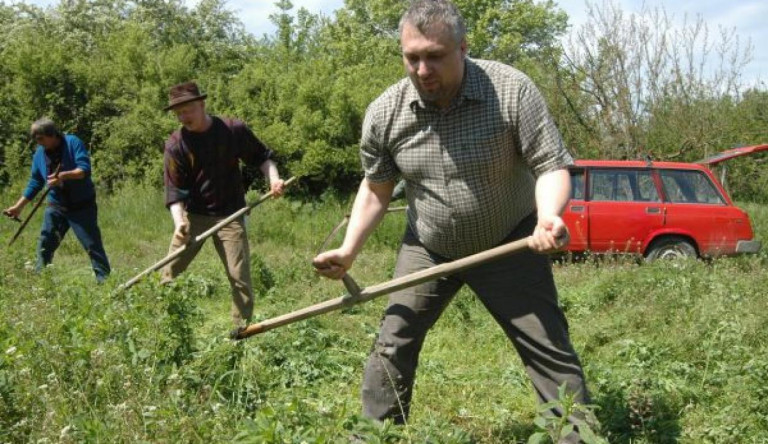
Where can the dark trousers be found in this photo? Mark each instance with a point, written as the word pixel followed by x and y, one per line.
pixel 519 292
pixel 83 221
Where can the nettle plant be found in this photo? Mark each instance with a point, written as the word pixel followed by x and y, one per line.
pixel 554 428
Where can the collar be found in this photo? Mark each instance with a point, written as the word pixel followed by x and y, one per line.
pixel 199 134
pixel 56 152
pixel 471 88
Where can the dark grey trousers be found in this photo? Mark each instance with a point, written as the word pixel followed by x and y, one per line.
pixel 519 292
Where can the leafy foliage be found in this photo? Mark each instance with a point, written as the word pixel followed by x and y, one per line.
pixel 673 351
pixel 102 68
pixel 79 363
pixel 556 428
pixel 637 85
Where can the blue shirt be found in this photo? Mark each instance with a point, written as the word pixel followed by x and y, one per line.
pixel 72 192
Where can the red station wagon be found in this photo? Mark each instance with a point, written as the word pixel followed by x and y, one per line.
pixel 656 209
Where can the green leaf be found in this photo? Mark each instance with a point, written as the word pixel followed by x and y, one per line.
pixel 537 438
pixel 548 406
pixel 566 430
pixel 588 436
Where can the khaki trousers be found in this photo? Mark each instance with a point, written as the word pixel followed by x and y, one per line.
pixel 231 243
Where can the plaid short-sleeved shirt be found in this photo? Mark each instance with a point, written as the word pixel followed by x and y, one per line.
pixel 470 170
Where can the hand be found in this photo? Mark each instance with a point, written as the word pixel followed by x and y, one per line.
pixel 333 264
pixel 13 212
pixel 181 233
pixel 277 187
pixel 54 181
pixel 550 235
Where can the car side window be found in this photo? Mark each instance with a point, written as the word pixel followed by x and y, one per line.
pixel 623 185
pixel 688 186
pixel 577 184
pixel 647 187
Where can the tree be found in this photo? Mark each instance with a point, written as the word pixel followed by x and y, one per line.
pixel 639 84
pixel 101 69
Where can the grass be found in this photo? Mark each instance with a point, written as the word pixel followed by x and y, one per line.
pixel 673 352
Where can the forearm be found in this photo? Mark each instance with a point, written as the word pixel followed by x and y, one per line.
pixel 178 210
pixel 36 183
pixel 21 203
pixel 269 169
pixel 553 191
pixel 370 206
pixel 77 173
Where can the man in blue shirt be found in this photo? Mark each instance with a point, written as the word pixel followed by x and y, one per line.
pixel 61 162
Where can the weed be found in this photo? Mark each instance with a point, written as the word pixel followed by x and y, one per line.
pixel 672 352
pixel 571 417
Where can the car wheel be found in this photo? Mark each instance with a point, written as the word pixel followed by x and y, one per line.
pixel 671 248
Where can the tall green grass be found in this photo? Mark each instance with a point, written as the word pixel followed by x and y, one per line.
pixel 674 352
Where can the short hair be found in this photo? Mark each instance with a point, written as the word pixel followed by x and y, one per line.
pixel 426 14
pixel 44 127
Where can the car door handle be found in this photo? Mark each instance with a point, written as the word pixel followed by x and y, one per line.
pixel 577 208
pixel 653 210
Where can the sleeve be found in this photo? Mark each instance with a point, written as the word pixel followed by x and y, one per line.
pixel 79 154
pixel 252 150
pixel 539 140
pixel 37 179
pixel 377 161
pixel 176 174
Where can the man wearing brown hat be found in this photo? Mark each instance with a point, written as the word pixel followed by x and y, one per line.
pixel 203 185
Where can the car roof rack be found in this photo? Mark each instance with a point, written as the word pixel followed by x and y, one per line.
pixel 648 160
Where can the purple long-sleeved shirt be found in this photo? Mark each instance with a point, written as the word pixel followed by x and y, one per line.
pixel 202 169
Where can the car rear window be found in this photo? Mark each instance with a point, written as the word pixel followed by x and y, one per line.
pixel 685 186
pixel 623 185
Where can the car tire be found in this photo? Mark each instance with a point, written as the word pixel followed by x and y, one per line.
pixel 672 247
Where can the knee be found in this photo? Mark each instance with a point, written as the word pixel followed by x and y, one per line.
pixel 389 367
pixel 91 247
pixel 240 286
pixel 403 355
pixel 49 238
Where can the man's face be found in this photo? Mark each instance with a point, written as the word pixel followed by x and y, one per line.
pixel 192 115
pixel 434 62
pixel 47 142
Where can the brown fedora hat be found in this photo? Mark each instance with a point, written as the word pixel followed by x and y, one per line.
pixel 183 93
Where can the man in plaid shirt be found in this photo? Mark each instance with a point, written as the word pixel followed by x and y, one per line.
pixel 484 165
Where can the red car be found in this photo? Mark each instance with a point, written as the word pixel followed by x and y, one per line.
pixel 656 209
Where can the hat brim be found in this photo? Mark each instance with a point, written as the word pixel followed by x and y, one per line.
pixel 183 101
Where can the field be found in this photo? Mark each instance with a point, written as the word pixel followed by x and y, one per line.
pixel 673 352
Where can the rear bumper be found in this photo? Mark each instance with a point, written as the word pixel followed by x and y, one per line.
pixel 750 246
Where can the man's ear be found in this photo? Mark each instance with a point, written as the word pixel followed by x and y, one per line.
pixel 463 46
